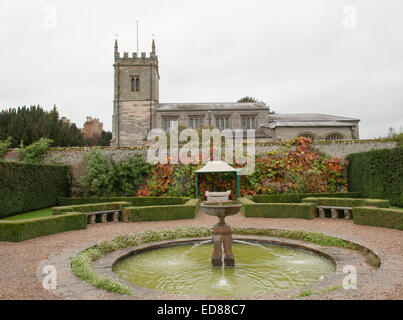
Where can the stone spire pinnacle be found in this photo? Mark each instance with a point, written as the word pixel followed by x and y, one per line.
pixel 153 46
pixel 116 49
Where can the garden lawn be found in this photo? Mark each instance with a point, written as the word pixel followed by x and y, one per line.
pixel 33 214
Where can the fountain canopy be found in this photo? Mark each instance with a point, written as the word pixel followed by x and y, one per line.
pixel 219 167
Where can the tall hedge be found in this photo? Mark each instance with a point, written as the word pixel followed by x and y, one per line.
pixel 27 187
pixel 377 174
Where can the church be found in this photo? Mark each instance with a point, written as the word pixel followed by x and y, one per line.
pixel 137 110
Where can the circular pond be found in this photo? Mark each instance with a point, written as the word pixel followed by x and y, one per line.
pixel 259 269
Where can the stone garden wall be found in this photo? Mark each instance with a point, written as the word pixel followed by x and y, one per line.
pixel 336 149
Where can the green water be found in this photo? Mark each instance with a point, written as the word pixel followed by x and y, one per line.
pixel 259 269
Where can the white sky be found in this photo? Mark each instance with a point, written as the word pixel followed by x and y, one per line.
pixel 296 55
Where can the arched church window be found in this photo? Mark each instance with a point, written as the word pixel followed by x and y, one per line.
pixel 307 135
pixel 335 136
pixel 137 84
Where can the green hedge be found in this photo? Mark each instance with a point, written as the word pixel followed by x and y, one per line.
pixel 135 201
pixel 160 213
pixel 93 207
pixel 277 210
pixel 348 202
pixel 27 187
pixel 377 174
pixel 20 230
pixel 388 218
pixel 297 197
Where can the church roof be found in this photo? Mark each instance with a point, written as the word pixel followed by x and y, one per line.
pixel 308 120
pixel 309 117
pixel 220 106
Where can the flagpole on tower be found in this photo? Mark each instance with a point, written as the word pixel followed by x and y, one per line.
pixel 137 35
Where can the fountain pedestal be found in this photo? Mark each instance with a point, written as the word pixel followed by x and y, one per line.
pixel 222 240
pixel 222 232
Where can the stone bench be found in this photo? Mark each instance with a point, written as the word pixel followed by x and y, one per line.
pixel 104 216
pixel 335 212
pixel 218 196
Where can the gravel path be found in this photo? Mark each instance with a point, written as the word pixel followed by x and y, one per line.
pixel 19 261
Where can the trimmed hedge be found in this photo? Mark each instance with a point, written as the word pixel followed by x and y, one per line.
pixel 20 230
pixel 348 202
pixel 160 213
pixel 135 201
pixel 27 187
pixel 377 174
pixel 93 207
pixel 277 210
pixel 297 197
pixel 387 218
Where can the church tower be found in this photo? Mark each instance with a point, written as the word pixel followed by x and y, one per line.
pixel 136 96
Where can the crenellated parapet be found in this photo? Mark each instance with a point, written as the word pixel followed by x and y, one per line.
pixel 135 58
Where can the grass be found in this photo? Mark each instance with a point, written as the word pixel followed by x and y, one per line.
pixel 398 208
pixel 30 215
pixel 305 293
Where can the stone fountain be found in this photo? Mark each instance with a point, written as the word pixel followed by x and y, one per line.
pixel 222 232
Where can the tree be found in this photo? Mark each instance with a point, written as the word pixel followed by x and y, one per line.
pixel 252 99
pixel 29 124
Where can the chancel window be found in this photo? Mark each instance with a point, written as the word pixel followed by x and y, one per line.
pixel 248 122
pixel 222 123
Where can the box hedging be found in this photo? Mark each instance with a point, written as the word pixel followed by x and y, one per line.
pixel 277 210
pixel 297 197
pixel 380 217
pixel 160 213
pixel 21 230
pixel 93 207
pixel 135 201
pixel 377 174
pixel 27 187
pixel 348 202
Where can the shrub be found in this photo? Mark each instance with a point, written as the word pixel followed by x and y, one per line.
pixel 297 197
pixel 27 187
pixel 35 152
pixel 105 177
pixel 277 210
pixel 4 146
pixel 377 174
pixel 348 202
pixel 388 218
pixel 159 213
pixel 135 201
pixel 21 230
pixel 90 207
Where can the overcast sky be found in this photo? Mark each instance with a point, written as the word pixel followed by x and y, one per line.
pixel 296 55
